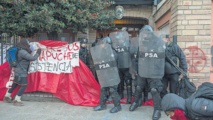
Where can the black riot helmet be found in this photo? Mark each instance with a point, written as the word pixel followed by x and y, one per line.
pixel 83 41
pixel 147 28
pixel 147 32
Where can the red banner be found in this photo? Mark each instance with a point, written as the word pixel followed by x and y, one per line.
pixel 76 88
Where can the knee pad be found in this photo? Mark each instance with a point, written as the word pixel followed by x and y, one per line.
pixel 138 88
pixel 128 82
pixel 112 90
pixel 154 91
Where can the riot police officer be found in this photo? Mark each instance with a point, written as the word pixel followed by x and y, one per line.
pixel 151 63
pixel 104 59
pixel 83 52
pixel 134 69
pixel 121 44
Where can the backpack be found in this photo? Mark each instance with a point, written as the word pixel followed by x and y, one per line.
pixel 185 88
pixel 12 56
pixel 199 106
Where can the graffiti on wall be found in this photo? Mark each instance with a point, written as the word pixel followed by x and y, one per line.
pixel 195 58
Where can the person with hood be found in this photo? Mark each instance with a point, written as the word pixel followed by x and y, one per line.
pixel 196 107
pixel 21 70
pixel 174 106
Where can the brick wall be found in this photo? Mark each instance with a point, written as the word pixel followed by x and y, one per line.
pixel 211 68
pixel 191 22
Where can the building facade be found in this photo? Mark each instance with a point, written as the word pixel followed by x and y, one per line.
pixel 190 21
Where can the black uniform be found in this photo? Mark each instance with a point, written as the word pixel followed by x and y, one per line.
pixel 134 79
pixel 174 52
pixel 84 53
pixel 126 79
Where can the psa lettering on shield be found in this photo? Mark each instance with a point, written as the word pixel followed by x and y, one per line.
pixel 120 49
pixel 151 55
pixel 103 66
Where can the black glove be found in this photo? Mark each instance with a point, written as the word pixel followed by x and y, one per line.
pixel 38 51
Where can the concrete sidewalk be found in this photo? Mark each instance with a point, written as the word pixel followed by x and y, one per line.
pixel 63 111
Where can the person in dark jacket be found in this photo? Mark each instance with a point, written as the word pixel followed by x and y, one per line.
pixel 84 53
pixel 171 77
pixel 198 106
pixel 21 71
pixel 174 106
pixel 187 109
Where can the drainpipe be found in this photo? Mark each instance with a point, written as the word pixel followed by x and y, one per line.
pixel 175 39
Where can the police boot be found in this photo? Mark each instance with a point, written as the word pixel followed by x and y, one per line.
pixel 109 98
pixel 129 91
pixel 140 101
pixel 115 109
pixel 99 107
pixel 145 96
pixel 156 115
pixel 121 90
pixel 103 99
pixel 129 95
pixel 116 101
pixel 135 85
pixel 133 93
pixel 137 97
pixel 133 106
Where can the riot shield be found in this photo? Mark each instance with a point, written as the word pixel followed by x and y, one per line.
pixel 120 42
pixel 104 40
pixel 151 61
pixel 134 44
pixel 105 65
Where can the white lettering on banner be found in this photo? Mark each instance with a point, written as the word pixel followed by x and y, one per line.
pixel 51 67
pixel 151 55
pixel 56 59
pixel 104 66
pixel 11 79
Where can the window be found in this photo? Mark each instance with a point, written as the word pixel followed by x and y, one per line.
pixel 164 28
